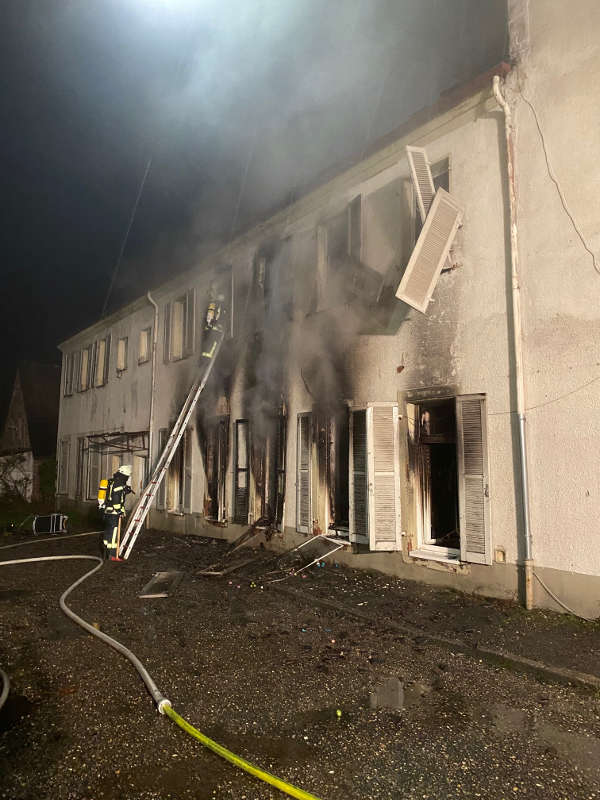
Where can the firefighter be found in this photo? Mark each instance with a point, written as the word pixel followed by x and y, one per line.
pixel 213 327
pixel 119 486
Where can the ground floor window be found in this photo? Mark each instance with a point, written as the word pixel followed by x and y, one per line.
pixel 63 466
pixel 215 461
pixel 448 455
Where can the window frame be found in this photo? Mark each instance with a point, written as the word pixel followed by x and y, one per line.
pixel 148 333
pixel 125 348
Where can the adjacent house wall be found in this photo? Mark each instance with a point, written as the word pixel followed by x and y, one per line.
pixel 559 75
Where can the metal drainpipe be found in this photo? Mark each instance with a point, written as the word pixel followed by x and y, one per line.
pixel 517 334
pixel 153 384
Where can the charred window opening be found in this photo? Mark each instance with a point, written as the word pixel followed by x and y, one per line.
pixel 439 473
pixel 215 465
pixel 175 481
pixel 339 466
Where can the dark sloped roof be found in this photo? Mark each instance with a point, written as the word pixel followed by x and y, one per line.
pixel 41 391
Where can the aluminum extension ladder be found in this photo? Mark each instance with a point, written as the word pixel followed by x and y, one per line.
pixel 140 511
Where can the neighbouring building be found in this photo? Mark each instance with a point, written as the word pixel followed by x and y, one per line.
pixel 28 441
pixel 336 406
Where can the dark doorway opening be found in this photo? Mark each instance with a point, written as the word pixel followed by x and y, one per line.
pixel 439 473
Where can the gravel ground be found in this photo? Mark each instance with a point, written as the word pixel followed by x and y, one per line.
pixel 339 706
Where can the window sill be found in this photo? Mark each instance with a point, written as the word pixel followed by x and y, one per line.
pixel 447 556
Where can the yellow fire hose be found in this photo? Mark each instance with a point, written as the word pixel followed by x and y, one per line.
pixel 164 706
pixel 237 761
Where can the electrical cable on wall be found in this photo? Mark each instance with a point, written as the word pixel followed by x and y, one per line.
pixel 557 185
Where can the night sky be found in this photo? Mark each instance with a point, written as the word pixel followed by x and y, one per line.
pixel 93 89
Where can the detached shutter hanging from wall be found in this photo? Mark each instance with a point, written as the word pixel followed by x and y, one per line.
pixel 359 517
pixel 422 179
pixel 384 481
pixel 473 487
pixel 430 253
pixel 303 476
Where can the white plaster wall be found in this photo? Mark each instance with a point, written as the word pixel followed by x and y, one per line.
pixel 560 76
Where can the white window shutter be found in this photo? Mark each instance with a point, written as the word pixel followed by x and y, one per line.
pixel 187 470
pixel 190 322
pixel 359 497
pixel 384 478
pixel 422 179
pixel 303 474
pixel 430 253
pixel 473 486
pixel 163 435
pixel 241 489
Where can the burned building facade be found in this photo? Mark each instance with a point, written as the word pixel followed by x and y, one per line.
pixel 336 406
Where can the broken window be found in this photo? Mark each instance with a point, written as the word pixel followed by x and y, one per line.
pixel 280 469
pixel 144 345
pixel 304 474
pixel 122 354
pixel 63 466
pixel 175 479
pixel 215 462
pixel 241 487
pixel 440 174
pixel 102 359
pixel 451 477
pixel 339 467
pixel 375 487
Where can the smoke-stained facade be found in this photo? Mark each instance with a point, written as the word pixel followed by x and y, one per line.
pixel 336 407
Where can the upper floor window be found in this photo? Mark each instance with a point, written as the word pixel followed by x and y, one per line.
pixel 122 354
pixel 102 359
pixel 69 373
pixel 85 365
pixel 144 345
pixel 179 331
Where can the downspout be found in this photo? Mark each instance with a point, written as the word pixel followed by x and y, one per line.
pixel 517 334
pixel 153 383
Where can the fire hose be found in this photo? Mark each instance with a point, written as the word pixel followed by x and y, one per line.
pixel 164 706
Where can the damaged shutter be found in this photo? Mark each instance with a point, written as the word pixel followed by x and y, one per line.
pixel 167 333
pixel 422 179
pixel 242 472
pixel 187 473
pixel 473 488
pixel 359 522
pixel 384 479
pixel 161 493
pixel 430 253
pixel 303 474
pixel 190 322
